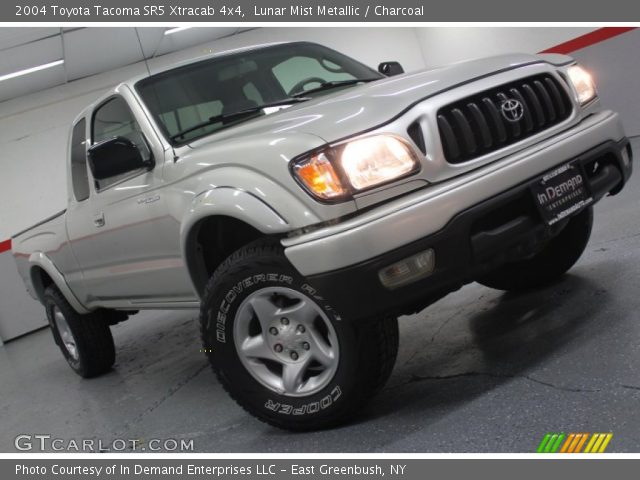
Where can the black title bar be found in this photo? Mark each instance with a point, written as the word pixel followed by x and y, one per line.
pixel 251 11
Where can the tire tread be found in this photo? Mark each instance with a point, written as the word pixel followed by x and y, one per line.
pixel 92 334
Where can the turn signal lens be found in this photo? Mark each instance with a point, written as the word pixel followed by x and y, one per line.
pixel 582 83
pixel 319 177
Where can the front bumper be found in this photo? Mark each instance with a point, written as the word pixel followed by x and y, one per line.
pixel 473 224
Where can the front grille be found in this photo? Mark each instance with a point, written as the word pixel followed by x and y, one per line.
pixel 415 134
pixel 476 125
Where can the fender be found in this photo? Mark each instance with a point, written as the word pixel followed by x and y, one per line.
pixel 39 259
pixel 235 203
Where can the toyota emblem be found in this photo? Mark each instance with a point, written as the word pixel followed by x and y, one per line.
pixel 512 110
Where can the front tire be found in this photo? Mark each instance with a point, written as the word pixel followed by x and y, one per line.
pixel 84 340
pixel 546 266
pixel 282 352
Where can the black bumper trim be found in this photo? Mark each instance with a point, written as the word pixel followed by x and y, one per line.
pixel 499 229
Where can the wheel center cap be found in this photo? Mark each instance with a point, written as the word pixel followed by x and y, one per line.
pixel 289 340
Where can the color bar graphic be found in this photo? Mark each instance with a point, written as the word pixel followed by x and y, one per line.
pixel 574 443
pixel 551 442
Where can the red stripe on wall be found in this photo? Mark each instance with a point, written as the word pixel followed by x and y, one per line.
pixel 5 246
pixel 588 39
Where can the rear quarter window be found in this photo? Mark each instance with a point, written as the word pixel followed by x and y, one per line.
pixel 79 173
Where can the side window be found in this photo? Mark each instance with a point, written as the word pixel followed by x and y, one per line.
pixel 295 70
pixel 79 175
pixel 115 119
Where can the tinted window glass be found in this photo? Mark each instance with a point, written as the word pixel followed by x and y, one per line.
pixel 187 96
pixel 79 175
pixel 298 74
pixel 114 119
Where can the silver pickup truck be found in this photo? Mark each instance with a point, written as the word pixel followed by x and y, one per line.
pixel 303 201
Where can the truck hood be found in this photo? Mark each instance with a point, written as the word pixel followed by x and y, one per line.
pixel 347 112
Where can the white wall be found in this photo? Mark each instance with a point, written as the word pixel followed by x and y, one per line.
pixel 34 128
pixel 19 313
pixel 443 45
pixel 614 64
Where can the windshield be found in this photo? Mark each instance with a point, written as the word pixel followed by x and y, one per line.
pixel 193 95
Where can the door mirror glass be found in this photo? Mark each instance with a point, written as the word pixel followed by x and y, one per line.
pixel 390 68
pixel 116 156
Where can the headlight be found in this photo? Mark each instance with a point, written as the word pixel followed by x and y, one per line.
pixel 343 170
pixel 582 83
pixel 374 160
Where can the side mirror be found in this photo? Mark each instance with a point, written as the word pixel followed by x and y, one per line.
pixel 115 156
pixel 390 68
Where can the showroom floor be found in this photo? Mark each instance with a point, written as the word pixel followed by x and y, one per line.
pixel 480 371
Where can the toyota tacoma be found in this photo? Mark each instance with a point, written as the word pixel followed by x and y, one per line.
pixel 303 201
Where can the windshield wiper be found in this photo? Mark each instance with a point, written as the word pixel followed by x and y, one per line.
pixel 333 84
pixel 247 112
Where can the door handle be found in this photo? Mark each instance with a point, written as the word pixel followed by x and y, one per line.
pixel 98 220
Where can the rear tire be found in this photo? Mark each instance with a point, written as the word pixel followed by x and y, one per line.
pixel 260 321
pixel 553 261
pixel 84 340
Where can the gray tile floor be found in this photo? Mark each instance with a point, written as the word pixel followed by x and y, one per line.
pixel 480 371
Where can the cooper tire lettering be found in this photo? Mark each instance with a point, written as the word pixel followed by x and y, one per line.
pixel 308 408
pixel 271 405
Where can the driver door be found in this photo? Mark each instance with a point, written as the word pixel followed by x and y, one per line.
pixel 124 239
